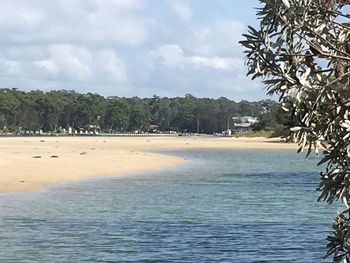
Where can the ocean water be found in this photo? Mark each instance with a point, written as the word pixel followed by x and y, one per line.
pixel 220 206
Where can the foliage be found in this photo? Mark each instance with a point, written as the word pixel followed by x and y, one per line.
pixel 53 110
pixel 302 52
pixel 117 115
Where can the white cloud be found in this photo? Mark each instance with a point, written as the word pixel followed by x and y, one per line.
pixel 120 47
pixel 220 38
pixel 49 65
pixel 111 65
pixel 19 16
pixel 81 64
pixel 182 11
pixel 73 62
pixel 173 56
pixel 170 55
pixel 23 53
pixel 88 22
pixel 118 5
pixel 70 63
pixel 10 67
pixel 219 63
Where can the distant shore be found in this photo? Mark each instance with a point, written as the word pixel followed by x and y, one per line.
pixel 32 163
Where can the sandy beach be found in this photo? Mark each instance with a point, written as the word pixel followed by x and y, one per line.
pixel 32 163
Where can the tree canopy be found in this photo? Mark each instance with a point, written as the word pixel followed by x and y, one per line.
pixel 50 111
pixel 301 50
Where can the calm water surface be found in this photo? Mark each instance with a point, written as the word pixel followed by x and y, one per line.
pixel 221 206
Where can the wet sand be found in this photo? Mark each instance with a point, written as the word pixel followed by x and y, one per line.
pixel 32 163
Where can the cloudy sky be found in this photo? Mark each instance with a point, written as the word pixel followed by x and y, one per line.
pixel 127 47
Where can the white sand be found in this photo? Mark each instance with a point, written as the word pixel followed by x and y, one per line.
pixel 82 157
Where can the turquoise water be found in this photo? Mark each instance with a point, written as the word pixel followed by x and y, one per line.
pixel 221 206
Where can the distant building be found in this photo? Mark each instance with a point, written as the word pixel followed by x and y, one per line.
pixel 153 128
pixel 242 127
pixel 249 119
pixel 246 124
pixel 93 130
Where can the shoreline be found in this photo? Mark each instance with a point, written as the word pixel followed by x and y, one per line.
pixel 30 164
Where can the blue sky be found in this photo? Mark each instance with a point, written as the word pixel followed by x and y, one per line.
pixel 127 47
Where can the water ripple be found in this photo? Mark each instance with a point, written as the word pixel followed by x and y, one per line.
pixel 236 208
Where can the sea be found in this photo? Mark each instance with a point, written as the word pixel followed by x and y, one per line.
pixel 218 206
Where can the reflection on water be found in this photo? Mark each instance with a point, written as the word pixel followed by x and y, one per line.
pixel 224 206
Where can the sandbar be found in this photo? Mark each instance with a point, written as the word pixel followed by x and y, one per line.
pixel 32 163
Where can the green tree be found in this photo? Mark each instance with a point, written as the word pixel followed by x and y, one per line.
pixel 48 108
pixel 302 52
pixel 185 119
pixel 9 102
pixel 26 112
pixel 160 111
pixel 139 116
pixel 117 115
pixel 36 110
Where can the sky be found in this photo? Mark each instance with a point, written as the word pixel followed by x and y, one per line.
pixel 128 47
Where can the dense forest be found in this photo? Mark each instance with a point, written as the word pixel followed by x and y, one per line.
pixel 56 110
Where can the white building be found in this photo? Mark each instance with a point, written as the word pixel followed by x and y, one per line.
pixel 249 119
pixel 245 124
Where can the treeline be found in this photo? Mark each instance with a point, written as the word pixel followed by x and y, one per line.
pixel 53 110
